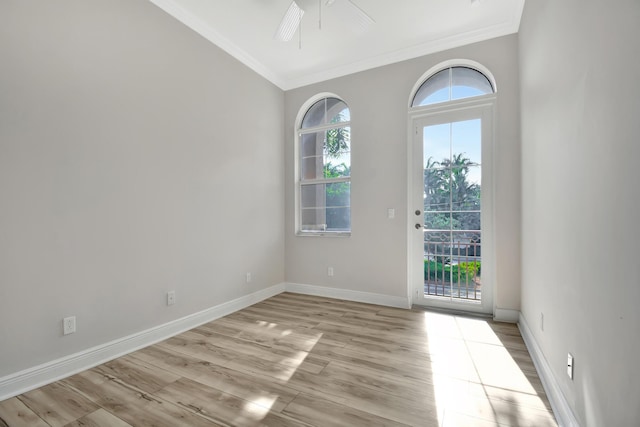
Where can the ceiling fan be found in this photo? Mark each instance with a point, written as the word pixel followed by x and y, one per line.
pixel 357 19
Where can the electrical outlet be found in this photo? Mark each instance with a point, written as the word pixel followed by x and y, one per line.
pixel 69 325
pixel 330 271
pixel 248 277
pixel 171 297
pixel 570 365
pixel 391 213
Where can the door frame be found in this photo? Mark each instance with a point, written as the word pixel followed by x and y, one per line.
pixel 482 107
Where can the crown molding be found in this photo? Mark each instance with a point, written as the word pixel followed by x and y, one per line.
pixel 457 40
pixel 400 55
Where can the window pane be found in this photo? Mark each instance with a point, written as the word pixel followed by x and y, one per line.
pixel 311 167
pixel 338 165
pixel 465 195
pixel 337 141
pixel 311 145
pixel 466 140
pixel 466 220
pixel 437 221
pixel 315 115
pixel 336 170
pixel 338 195
pixel 452 83
pixel 466 244
pixel 434 89
pixel 436 190
pixel 436 243
pixel 326 207
pixel 313 219
pixel 312 196
pixel 437 144
pixel 339 219
pixel 337 111
pixel 339 206
pixel 325 154
pixel 325 111
pixel 467 82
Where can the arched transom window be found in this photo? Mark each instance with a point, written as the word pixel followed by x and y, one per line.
pixel 324 168
pixel 451 84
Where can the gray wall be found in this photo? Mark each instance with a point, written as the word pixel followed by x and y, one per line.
pixel 135 158
pixel 374 258
pixel 579 67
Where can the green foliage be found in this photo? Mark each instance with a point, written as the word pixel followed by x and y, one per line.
pixel 336 171
pixel 472 268
pixel 441 221
pixel 337 141
pixel 464 272
pixel 447 187
pixel 338 194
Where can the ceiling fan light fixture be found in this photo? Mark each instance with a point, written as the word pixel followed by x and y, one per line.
pixel 290 23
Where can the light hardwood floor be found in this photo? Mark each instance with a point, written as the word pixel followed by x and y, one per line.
pixel 296 360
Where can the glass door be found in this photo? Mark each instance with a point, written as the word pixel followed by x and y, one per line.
pixel 452 254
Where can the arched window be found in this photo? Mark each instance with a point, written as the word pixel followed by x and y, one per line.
pixel 450 84
pixel 324 167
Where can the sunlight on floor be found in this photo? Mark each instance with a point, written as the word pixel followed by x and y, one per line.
pixel 477 379
pixel 289 364
pixel 255 410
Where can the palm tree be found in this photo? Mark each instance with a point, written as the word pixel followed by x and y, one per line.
pixel 451 202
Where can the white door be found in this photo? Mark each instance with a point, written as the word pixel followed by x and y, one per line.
pixel 451 209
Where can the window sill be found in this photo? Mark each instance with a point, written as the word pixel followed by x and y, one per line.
pixel 323 234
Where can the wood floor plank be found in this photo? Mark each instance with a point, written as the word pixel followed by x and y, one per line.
pixel 375 402
pixel 224 408
pixel 57 404
pixel 15 413
pixel 195 345
pixel 133 405
pixel 362 376
pixel 259 313
pixel 269 364
pixel 145 378
pixel 320 412
pixel 270 335
pixel 275 352
pixel 99 418
pixel 244 385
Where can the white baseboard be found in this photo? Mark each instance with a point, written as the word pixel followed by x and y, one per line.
pixel 506 315
pixel 349 295
pixel 561 409
pixel 29 379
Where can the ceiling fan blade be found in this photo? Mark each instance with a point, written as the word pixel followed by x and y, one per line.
pixel 356 18
pixel 290 23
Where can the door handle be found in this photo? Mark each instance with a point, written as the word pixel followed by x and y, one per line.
pixel 418 226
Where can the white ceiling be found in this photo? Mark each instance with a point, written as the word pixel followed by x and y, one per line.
pixel 403 29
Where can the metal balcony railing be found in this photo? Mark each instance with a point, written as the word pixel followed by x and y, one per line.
pixel 452 264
